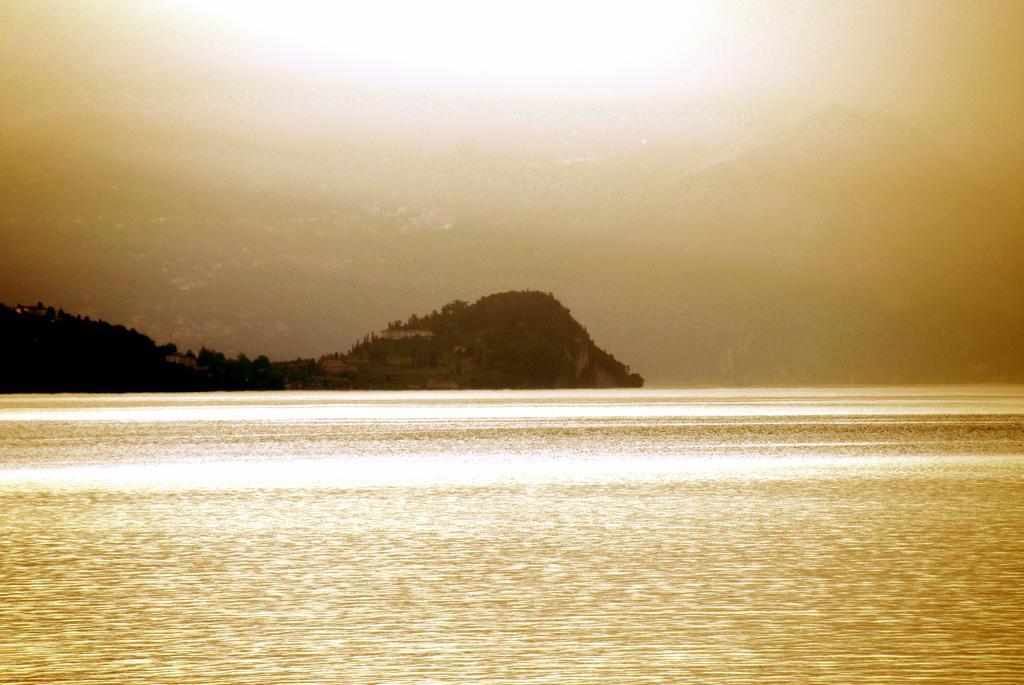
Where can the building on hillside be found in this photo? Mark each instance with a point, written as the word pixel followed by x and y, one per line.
pixel 402 333
pixel 30 310
pixel 181 359
pixel 338 366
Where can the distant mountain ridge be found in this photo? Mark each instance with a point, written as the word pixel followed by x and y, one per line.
pixel 845 247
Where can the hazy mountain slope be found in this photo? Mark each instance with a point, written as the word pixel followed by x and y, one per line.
pixel 853 240
pixel 843 247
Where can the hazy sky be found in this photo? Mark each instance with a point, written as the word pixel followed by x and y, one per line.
pixel 953 66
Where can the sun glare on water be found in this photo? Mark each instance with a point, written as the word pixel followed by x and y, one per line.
pixel 530 45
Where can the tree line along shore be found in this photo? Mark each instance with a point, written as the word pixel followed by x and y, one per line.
pixel 515 339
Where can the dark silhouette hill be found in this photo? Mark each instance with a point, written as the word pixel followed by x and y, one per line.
pixel 515 339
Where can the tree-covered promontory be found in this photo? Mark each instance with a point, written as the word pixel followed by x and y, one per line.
pixel 515 339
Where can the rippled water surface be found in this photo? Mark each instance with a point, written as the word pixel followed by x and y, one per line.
pixel 847 536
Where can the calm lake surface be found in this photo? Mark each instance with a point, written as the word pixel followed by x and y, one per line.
pixel 784 536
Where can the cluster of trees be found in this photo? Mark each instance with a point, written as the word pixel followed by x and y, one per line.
pixel 47 350
pixel 371 348
pixel 300 373
pixel 240 373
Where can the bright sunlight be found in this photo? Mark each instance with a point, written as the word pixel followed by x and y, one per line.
pixel 531 45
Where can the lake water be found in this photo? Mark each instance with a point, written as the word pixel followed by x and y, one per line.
pixel 787 536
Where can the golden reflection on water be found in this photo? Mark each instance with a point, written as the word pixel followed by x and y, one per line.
pixel 640 545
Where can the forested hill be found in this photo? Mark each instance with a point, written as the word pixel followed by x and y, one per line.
pixel 516 339
pixel 507 340
pixel 47 350
pixel 528 337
